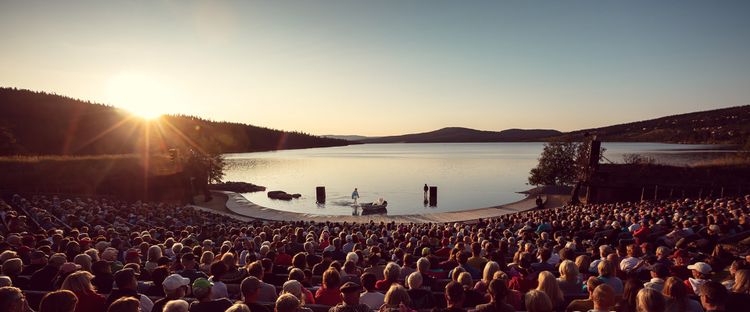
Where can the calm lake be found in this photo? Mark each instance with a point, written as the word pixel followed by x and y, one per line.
pixel 468 175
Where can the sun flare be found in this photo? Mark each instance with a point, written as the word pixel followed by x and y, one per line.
pixel 142 94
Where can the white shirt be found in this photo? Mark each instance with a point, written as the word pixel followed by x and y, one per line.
pixel 628 263
pixel 219 290
pixel 655 284
pixel 372 299
pixel 146 304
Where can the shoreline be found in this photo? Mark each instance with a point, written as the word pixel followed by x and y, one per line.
pixel 239 206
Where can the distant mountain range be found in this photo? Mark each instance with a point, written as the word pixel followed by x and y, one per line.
pixel 720 126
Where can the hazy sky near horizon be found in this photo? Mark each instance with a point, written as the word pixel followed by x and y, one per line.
pixel 385 67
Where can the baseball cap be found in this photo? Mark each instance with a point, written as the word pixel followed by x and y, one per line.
pixel 350 287
pixel 124 276
pixel 702 267
pixel 201 283
pixel 175 281
pixel 68 267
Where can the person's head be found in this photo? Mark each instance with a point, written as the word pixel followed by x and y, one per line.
pixel 701 270
pixel 414 280
pixel 568 271
pixel 125 304
pixel 175 286
pixel 423 265
pixel 350 293
pixel 58 301
pixel 606 269
pixel 650 300
pixel 5 281
pixel 178 305
pixel 454 294
pixel 125 279
pixel 659 270
pixel 741 282
pixel 392 271
pixel 368 281
pixel 256 269
pixel 13 299
pixel 202 288
pixel 465 280
pixel 397 295
pixel 154 253
pixel 713 295
pixel 331 278
pixel 188 261
pixel 287 303
pixel 489 271
pixel 537 301
pixel 249 288
pixel 549 285
pixel 12 267
pixel 603 297
pixel 295 288
pixel 591 284
pixel 498 290
pixel 79 282
pixel 238 307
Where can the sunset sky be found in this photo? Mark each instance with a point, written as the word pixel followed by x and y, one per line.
pixel 385 67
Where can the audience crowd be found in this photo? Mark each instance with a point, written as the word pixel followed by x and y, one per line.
pixel 98 254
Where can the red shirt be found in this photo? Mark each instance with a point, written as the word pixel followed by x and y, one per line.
pixel 328 296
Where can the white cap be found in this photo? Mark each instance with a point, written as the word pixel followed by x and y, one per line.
pixel 702 267
pixel 174 281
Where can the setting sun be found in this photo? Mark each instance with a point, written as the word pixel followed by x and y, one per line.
pixel 143 94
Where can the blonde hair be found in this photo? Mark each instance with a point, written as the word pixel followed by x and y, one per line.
pixel 397 295
pixel 569 271
pixel 465 279
pixel 207 257
pixel 549 285
pixel 583 262
pixel 293 287
pixel 392 271
pixel 84 261
pixel 649 300
pixel 287 303
pixel 537 301
pixel 176 306
pixel 489 271
pixel 605 268
pixel 741 282
pixel 154 253
pixel 79 282
pixel 238 307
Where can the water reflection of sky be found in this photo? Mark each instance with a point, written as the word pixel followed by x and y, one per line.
pixel 468 175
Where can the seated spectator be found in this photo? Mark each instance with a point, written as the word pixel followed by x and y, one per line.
pixel 568 281
pixel 125 304
pixel 12 299
pixel 476 261
pixel 472 298
pixel 607 275
pixel 701 274
pixel 489 272
pixel 350 299
pixel 12 268
pixel 676 297
pixel 603 298
pixel 420 298
pixel 585 304
pixel 714 297
pixel 287 303
pixel 349 273
pixel 329 293
pixel 103 278
pixel 454 297
pixel 295 288
pixel 537 301
pixel 58 301
pixel 299 276
pixel 250 289
pixel 43 279
pixel 371 297
pixel 202 288
pixel 628 302
pixel 127 285
pixel 175 287
pixel 267 291
pixel 391 273
pixel 189 268
pixel 396 299
pixel 178 305
pixel 237 307
pixel 80 284
pixel 498 291
pixel 543 255
pixel 659 273
pixel 548 284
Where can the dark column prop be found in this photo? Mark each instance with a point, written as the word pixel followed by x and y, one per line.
pixel 433 196
pixel 320 194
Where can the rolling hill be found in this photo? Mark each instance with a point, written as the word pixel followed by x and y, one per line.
pixel 458 134
pixel 37 123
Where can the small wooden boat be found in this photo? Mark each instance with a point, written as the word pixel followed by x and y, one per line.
pixel 372 208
